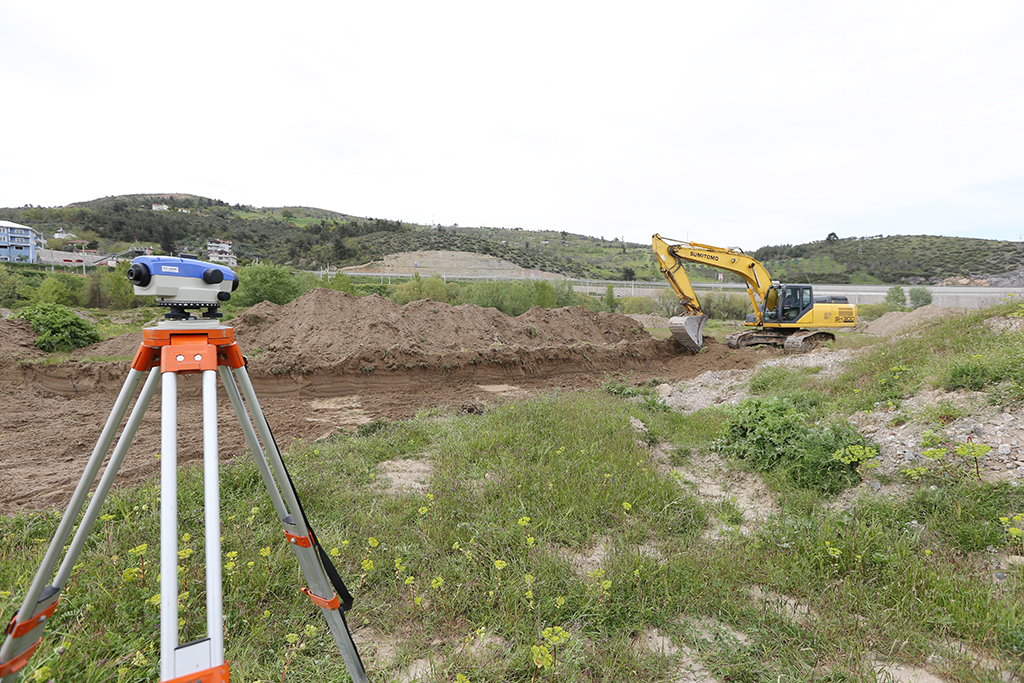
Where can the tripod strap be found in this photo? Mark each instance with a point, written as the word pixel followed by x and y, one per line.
pixel 340 589
pixel 332 572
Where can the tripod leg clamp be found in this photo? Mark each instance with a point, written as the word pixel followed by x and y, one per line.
pixel 26 626
pixel 333 604
pixel 301 541
pixel 19 662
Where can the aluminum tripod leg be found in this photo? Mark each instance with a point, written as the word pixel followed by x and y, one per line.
pixel 27 629
pixel 289 510
pixel 176 660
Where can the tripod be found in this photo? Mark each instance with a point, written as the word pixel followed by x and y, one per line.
pixel 173 347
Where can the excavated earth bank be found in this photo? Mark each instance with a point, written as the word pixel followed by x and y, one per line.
pixel 324 363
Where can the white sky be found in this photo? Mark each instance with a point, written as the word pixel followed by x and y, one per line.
pixel 733 123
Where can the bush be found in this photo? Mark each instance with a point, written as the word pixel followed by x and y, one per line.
pixel 638 305
pixel 8 288
pixel 896 297
pixel 265 282
pixel 725 305
pixel 920 296
pixel 58 327
pixel 775 435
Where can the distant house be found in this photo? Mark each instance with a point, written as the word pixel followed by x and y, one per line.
pixel 63 234
pixel 19 243
pixel 161 207
pixel 219 251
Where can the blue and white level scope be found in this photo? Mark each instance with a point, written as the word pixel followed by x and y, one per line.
pixel 177 281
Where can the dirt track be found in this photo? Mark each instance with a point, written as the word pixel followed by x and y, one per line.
pixel 323 363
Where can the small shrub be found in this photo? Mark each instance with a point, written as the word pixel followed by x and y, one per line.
pixel 896 297
pixel 970 374
pixel 774 435
pixel 919 296
pixel 58 327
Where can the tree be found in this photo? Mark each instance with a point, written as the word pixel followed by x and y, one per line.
pixel 668 303
pixel 920 296
pixel 435 289
pixel 287 213
pixel 8 288
pixel 896 297
pixel 544 294
pixel 52 290
pixel 832 237
pixel 609 299
pixel 339 282
pixel 265 282
pixel 628 273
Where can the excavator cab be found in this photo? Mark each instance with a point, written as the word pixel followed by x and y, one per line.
pixel 786 304
pixel 796 300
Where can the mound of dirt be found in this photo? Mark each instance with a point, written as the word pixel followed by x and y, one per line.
pixel 895 322
pixel 17 342
pixel 324 328
pixel 334 324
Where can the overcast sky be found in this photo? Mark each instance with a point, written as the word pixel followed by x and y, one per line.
pixel 732 123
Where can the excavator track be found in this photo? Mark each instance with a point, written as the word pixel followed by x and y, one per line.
pixel 792 341
pixel 803 341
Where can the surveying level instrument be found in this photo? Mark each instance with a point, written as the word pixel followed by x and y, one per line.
pixel 183 344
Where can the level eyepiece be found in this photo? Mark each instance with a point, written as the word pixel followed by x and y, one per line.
pixel 138 274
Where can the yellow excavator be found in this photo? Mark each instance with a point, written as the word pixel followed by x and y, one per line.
pixel 782 313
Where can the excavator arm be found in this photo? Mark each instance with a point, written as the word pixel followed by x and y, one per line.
pixel 689 327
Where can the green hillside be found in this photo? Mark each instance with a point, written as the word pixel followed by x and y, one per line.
pixel 305 237
pixel 916 259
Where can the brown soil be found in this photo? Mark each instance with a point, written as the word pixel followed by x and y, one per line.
pixel 895 322
pixel 323 363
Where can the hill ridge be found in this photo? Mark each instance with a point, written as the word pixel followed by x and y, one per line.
pixel 309 237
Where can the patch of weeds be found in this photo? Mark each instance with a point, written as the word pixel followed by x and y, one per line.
pixel 775 380
pixel 898 419
pixel 967 515
pixel 774 435
pixel 694 432
pixel 680 456
pixel 944 412
pixel 948 461
pixel 1014 527
pixel 371 428
pixel 971 374
pixel 645 395
pixel 727 512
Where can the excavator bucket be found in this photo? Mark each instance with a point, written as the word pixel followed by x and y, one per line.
pixel 688 330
